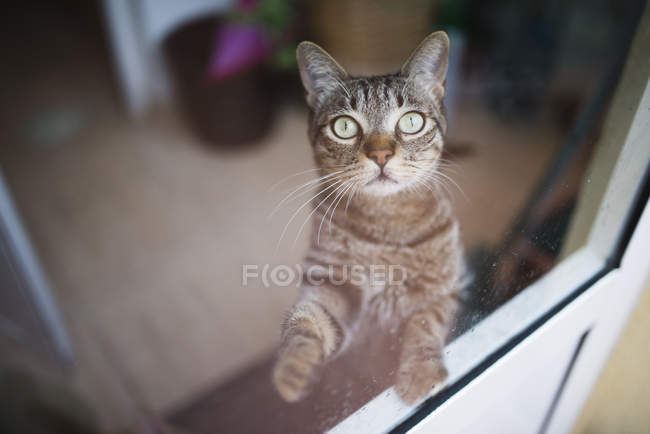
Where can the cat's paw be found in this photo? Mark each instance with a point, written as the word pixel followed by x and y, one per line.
pixel 416 378
pixel 295 369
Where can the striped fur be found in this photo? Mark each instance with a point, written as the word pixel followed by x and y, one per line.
pixel 406 220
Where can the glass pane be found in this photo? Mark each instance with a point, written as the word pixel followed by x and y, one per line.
pixel 213 265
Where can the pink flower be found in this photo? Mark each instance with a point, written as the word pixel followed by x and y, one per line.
pixel 237 47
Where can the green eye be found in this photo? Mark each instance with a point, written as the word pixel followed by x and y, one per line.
pixel 411 123
pixel 345 127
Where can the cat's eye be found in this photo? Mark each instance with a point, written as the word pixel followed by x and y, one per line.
pixel 345 127
pixel 411 123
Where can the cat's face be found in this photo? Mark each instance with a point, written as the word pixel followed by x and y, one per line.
pixel 379 134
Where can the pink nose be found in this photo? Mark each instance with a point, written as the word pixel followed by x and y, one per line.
pixel 380 156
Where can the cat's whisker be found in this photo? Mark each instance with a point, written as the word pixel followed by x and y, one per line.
pixel 437 182
pixel 441 162
pixel 293 216
pixel 306 190
pixel 452 170
pixel 443 187
pixel 421 167
pixel 340 197
pixel 447 166
pixel 322 220
pixel 449 162
pixel 320 178
pixel 449 179
pixel 320 226
pixel 314 210
pixel 286 178
pixel 419 182
pixel 347 204
pixel 306 186
pixel 424 184
pixel 426 177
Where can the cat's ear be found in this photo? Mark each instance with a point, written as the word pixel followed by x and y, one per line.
pixel 320 73
pixel 426 69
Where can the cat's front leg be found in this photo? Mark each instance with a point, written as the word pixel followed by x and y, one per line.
pixel 421 364
pixel 313 333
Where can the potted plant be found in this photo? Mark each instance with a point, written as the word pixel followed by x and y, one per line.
pixel 222 69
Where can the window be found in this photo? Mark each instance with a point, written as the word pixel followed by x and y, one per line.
pixel 167 240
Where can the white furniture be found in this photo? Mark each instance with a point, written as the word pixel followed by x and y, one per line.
pixel 137 29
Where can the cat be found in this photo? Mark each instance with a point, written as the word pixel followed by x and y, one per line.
pixel 378 142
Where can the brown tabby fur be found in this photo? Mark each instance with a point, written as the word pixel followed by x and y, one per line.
pixel 405 220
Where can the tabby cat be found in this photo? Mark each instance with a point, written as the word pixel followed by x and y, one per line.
pixel 378 142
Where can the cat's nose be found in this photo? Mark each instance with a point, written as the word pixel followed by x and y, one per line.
pixel 380 156
pixel 379 148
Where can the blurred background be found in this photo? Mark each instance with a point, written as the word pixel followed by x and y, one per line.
pixel 139 140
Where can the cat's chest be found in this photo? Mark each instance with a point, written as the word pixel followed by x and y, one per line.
pixel 408 278
pixel 390 273
pixel 388 305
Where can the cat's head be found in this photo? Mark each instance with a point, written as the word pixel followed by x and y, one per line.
pixel 382 134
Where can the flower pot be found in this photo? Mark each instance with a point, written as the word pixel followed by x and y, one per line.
pixel 230 111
